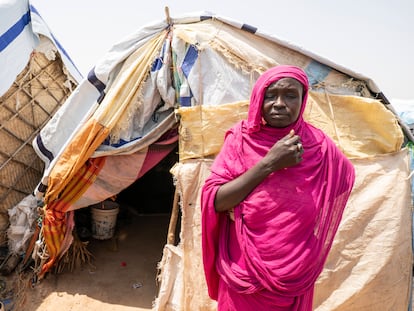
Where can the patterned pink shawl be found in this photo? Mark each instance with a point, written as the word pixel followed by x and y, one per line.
pixel 272 254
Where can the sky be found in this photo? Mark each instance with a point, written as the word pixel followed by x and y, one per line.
pixel 373 38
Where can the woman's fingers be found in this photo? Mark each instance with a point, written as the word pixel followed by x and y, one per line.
pixel 299 148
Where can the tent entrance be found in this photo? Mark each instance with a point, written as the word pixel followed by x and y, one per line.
pixel 153 193
pixel 128 261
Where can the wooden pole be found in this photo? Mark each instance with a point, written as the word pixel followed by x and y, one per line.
pixel 173 219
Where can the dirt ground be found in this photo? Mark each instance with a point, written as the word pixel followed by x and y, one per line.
pixel 123 277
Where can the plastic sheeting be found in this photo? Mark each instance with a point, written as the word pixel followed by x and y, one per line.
pixel 202 128
pixel 204 61
pixel 370 264
pixel 23 218
pixel 188 289
pixel 360 126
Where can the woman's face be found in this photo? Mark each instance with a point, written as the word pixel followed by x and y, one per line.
pixel 282 102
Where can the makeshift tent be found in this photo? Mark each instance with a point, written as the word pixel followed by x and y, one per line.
pixel 36 77
pixel 188 79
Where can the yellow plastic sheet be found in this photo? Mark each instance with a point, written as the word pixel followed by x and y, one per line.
pixel 360 126
pixel 202 128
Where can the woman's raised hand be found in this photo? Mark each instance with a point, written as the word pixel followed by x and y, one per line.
pixel 285 153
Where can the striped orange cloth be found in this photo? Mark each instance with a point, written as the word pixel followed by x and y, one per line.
pixel 75 155
pixel 54 222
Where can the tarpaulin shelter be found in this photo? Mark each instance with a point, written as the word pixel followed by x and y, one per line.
pixel 186 80
pixel 36 77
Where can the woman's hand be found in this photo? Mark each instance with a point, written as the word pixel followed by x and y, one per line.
pixel 285 153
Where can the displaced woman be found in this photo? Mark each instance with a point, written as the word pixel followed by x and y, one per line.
pixel 273 202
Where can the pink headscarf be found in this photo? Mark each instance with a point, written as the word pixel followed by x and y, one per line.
pixel 263 82
pixel 283 230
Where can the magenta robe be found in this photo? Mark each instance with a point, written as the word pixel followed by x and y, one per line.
pixel 271 255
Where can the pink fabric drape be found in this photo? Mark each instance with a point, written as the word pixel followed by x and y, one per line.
pixel 271 255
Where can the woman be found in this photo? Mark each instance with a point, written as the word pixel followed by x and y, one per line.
pixel 273 201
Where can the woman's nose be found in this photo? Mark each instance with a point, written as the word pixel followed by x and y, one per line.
pixel 278 102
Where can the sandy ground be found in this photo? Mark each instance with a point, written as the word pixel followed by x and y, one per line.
pixel 124 276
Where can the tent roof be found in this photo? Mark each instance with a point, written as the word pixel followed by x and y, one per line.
pixel 234 52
